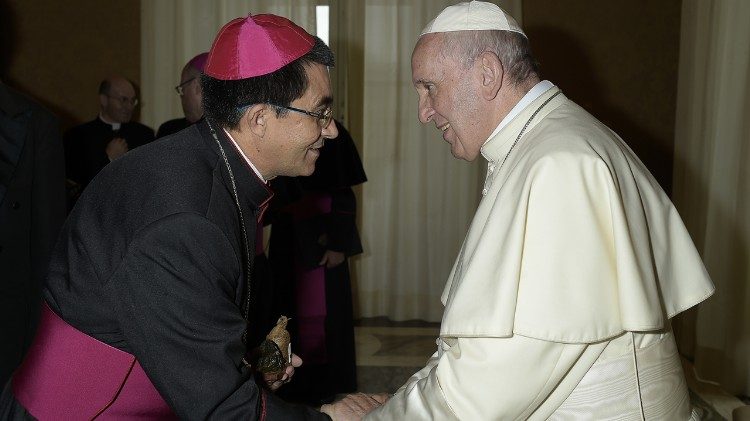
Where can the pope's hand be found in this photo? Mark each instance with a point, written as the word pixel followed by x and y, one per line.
pixel 353 407
pixel 276 380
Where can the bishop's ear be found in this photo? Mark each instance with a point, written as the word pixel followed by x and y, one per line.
pixel 256 119
pixel 491 73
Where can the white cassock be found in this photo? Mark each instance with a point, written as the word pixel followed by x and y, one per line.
pixel 559 302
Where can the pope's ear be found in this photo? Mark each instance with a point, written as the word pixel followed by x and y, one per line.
pixel 491 73
pixel 256 119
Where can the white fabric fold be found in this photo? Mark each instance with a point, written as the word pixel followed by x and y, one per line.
pixel 574 241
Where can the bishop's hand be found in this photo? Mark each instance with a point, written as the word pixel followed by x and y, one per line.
pixel 275 380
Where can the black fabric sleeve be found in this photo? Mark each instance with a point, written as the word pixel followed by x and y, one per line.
pixel 47 195
pixel 175 294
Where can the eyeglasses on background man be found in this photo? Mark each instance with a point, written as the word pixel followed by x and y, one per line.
pixel 180 88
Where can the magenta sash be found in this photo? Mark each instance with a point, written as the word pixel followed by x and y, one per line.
pixel 69 375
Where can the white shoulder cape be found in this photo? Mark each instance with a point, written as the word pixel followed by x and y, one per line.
pixel 574 240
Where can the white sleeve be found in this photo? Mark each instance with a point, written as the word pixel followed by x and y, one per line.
pixel 419 398
pixel 483 378
pixel 424 372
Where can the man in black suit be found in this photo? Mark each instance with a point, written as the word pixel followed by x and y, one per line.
pixel 32 209
pixel 89 147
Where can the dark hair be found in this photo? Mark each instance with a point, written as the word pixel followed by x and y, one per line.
pixel 223 100
pixel 510 47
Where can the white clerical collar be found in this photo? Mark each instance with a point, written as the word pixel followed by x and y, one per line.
pixel 115 126
pixel 237 146
pixel 527 99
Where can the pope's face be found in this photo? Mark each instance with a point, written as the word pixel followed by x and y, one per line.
pixel 448 96
pixel 297 138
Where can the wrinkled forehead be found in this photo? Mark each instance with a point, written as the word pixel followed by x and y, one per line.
pixel 427 45
pixel 427 59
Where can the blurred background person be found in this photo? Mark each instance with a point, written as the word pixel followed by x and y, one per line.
pixel 89 147
pixel 191 97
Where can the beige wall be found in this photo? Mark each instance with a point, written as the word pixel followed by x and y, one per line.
pixel 617 59
pixel 62 49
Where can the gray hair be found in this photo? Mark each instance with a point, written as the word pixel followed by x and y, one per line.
pixel 511 48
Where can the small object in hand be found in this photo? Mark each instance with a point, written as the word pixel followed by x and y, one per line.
pixel 275 350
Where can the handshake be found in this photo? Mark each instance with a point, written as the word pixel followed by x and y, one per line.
pixel 354 406
pixel 275 360
pixel 351 407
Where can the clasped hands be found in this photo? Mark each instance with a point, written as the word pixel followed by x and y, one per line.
pixel 331 259
pixel 351 407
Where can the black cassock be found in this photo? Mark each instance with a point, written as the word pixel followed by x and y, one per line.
pixel 152 261
pixel 85 146
pixel 172 126
pixel 308 216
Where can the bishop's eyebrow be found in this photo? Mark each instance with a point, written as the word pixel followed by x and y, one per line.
pixel 324 102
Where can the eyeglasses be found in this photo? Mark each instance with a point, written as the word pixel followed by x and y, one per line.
pixel 124 100
pixel 324 118
pixel 179 88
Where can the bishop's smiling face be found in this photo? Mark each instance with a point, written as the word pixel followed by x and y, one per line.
pixel 448 96
pixel 299 137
